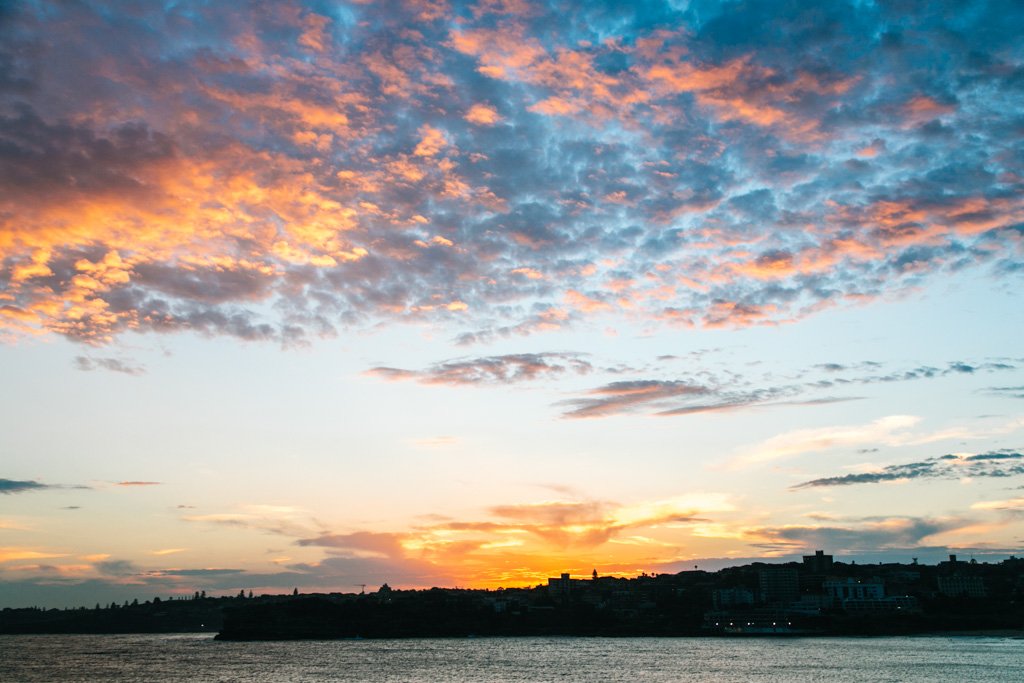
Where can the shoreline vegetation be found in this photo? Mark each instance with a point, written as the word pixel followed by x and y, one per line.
pixel 817 597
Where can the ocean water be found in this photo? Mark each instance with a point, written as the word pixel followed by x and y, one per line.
pixel 197 657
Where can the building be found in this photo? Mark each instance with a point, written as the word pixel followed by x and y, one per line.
pixel 892 603
pixel 842 590
pixel 818 563
pixel 564 586
pixel 560 587
pixel 958 586
pixel 778 584
pixel 731 597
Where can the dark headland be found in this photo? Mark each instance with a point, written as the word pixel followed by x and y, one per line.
pixel 817 596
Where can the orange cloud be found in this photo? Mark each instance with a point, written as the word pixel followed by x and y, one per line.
pixel 584 303
pixel 736 314
pixel 315 34
pixel 202 219
pixel 483 115
pixel 741 90
pixel 522 544
pixel 13 553
pixel 923 108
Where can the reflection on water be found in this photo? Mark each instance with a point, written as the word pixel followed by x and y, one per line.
pixel 162 658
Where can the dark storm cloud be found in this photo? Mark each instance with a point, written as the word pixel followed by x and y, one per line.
pixel 1004 463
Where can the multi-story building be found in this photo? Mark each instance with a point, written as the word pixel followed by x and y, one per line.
pixel 841 590
pixel 958 585
pixel 778 584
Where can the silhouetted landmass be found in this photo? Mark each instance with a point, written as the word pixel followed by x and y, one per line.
pixel 158 616
pixel 815 597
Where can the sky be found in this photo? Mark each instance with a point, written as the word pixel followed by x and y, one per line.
pixel 331 294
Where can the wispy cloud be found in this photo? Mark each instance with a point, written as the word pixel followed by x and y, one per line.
pixel 1011 505
pixel 628 395
pixel 868 535
pixel 1002 463
pixel 507 369
pixel 1007 392
pixel 890 430
pixel 711 391
pixel 89 363
pixel 9 486
pixel 893 430
pixel 276 519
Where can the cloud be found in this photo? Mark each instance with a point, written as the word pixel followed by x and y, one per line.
pixel 870 535
pixel 138 483
pixel 510 543
pixel 889 430
pixel 1007 392
pixel 88 364
pixel 9 486
pixel 1012 504
pixel 275 519
pixel 725 390
pixel 584 524
pixel 506 369
pixel 618 397
pixel 370 557
pixel 366 542
pixel 198 572
pixel 279 174
pixel 13 553
pixel 893 430
pixel 118 568
pixel 1002 463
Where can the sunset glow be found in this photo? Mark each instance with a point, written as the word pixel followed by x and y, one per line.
pixel 325 294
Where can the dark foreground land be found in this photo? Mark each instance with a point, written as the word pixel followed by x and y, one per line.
pixel 817 597
pixel 445 616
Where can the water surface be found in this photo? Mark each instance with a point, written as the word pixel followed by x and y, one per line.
pixel 163 658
